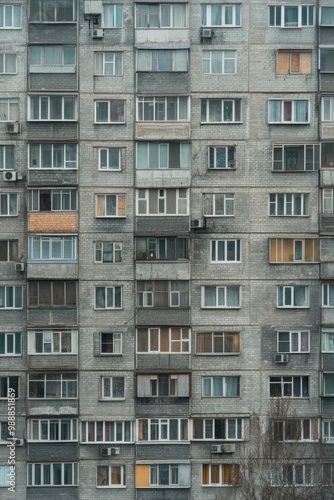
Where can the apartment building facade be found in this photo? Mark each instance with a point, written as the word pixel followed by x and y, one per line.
pixel 166 240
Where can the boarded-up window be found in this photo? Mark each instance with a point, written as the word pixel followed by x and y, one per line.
pixel 291 250
pixel 293 62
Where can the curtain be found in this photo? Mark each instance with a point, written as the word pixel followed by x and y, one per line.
pixel 327 16
pixel 301 111
pixel 210 296
pixel 144 60
pixel 328 385
pixel 275 110
pixel 300 296
pixel 232 296
pixel 180 61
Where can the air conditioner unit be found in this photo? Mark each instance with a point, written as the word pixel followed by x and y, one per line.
pixel 98 33
pixel 197 223
pixel 13 128
pixel 207 33
pixel 9 176
pixel 217 448
pixel 19 442
pixel 281 358
pixel 93 7
pixel 108 452
pixel 229 448
pixel 19 266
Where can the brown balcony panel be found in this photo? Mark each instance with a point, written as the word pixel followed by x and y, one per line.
pixel 52 223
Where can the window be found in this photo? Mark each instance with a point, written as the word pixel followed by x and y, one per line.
pixel 218 428
pixel 54 429
pixel 52 200
pixel 165 385
pixel 8 64
pixel 110 476
pixel 326 16
pixel 107 432
pixel 328 384
pixel 11 297
pixel 220 110
pixel 9 110
pixel 9 250
pixel 221 387
pixel 221 297
pixel 10 16
pixel 288 387
pixel 5 471
pixel 163 155
pixel 53 385
pixel 110 343
pixel 52 294
pixel 7 383
pixel 52 248
pixel 110 158
pixel 112 111
pixel 112 388
pixel 8 204
pixel 52 108
pixel 162 60
pixel 110 205
pixel 293 296
pixel 327 340
pixel 164 475
pixel 10 344
pixel 219 204
pixel 225 250
pixel 109 63
pixel 112 16
pixel 328 430
pixel 218 343
pixel 53 156
pixel 52 11
pixel 162 201
pixel 163 108
pixel 296 429
pixel 296 158
pixel 328 295
pixel 52 58
pixel 327 154
pixel 5 436
pixel 170 248
pixel 7 158
pixel 108 297
pixel 326 60
pixel 53 474
pixel 295 204
pixel 289 111
pixel 220 62
pixel 163 340
pixel 293 342
pixel 107 251
pixel 221 15
pixel 293 62
pixel 166 294
pixel 162 429
pixel 221 157
pixel 292 474
pixel 291 16
pixel 220 474
pixel 153 16
pixel 291 250
pixel 52 341
pixel 327 201
pixel 327 109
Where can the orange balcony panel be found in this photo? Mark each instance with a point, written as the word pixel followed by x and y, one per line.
pixel 52 223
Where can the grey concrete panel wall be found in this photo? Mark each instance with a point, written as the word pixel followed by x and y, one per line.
pixel 327 362
pixel 57 130
pixel 52 271
pixel 163 82
pixel 57 178
pixel 52 452
pixel 160 225
pixel 58 362
pixel 41 493
pixel 163 451
pixel 58 33
pixel 163 494
pixel 43 407
pixel 157 317
pixel 38 317
pixel 54 81
pixel 167 407
pixel 158 361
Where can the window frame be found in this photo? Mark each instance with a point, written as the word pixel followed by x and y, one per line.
pixel 206 15
pixel 213 157
pixel 4 56
pixel 226 478
pixel 13 347
pixel 49 100
pixel 288 199
pixel 53 482
pixel 208 63
pixel 327 340
pixel 108 382
pixel 106 164
pixel 62 197
pixel 14 297
pixel 165 155
pixel 15 10
pixel 225 289
pixel 326 54
pixel 222 337
pixel 155 475
pixel 53 342
pixel 158 15
pixel 224 202
pixel 39 244
pixel 289 388
pixel 328 430
pixel 325 376
pixel 211 429
pixel 109 103
pixel 327 294
pixel 7 157
pixel 9 382
pixel 283 160
pixel 120 211
pixel 294 250
pixel 322 9
pixel 69 294
pixel 236 111
pixel 8 204
pixel 116 251
pixel 290 289
pixel 170 58
pixel 176 294
pixel 112 471
pixel 67 163
pixel 209 380
pixel 5 471
pixel 9 249
pixel 12 113
pixel 60 383
pixel 161 207
pixel 51 67
pixel 299 334
pixel 116 290
pixel 286 62
pixel 160 429
pixel 277 16
pixel 97 429
pixel 215 251
pixel 329 105
pixel 160 108
pixel 116 343
pixel 286 103
pixel 116 64
pixel 162 249
pixel 155 340
pixel 304 427
pixel 116 20
pixel 43 426
pixel 56 7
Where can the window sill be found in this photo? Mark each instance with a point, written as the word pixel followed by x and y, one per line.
pixel 221 123
pixel 233 354
pixel 109 123
pixel 288 123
